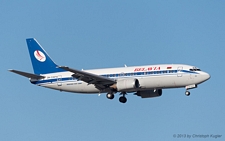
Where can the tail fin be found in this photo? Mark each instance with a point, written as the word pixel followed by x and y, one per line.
pixel 41 61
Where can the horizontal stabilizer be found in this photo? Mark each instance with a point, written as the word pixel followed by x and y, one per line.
pixel 28 75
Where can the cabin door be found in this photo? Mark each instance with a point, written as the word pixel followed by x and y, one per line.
pixel 179 71
pixel 59 80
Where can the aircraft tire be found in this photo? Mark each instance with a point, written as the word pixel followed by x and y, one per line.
pixel 187 93
pixel 110 96
pixel 123 99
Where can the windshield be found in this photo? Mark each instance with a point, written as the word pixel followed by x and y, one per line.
pixel 195 69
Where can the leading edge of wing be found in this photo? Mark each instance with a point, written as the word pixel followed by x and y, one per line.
pixel 89 78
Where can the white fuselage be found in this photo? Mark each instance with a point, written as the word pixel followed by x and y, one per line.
pixel 149 77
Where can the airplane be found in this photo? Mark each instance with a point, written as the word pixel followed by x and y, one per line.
pixel 144 81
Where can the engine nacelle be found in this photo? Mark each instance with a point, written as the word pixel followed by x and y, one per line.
pixel 149 93
pixel 126 84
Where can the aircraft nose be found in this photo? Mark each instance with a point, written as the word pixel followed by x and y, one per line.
pixel 205 76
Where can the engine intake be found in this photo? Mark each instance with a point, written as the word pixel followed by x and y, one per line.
pixel 126 84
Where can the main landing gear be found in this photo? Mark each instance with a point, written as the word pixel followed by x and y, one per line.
pixel 110 95
pixel 122 99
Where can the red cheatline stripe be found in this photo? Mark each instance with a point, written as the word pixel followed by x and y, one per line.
pixel 39 55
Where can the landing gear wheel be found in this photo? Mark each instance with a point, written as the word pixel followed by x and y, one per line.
pixel 110 96
pixel 123 99
pixel 187 93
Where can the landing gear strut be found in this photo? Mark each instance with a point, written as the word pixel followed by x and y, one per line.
pixel 123 99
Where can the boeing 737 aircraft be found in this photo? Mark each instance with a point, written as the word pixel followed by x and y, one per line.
pixel 144 81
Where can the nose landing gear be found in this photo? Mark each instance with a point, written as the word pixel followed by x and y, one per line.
pixel 187 93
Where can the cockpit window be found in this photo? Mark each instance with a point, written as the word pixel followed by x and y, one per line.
pixel 195 69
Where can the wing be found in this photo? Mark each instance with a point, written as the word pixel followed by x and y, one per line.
pixel 100 82
pixel 28 75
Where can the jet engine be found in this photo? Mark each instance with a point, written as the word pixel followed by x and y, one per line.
pixel 149 93
pixel 126 84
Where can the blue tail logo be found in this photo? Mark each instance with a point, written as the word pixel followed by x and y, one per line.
pixel 41 61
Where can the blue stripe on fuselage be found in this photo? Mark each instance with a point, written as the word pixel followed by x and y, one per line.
pixel 115 76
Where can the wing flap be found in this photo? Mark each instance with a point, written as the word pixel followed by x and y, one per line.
pixel 26 74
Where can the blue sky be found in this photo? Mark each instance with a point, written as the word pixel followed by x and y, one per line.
pixel 102 34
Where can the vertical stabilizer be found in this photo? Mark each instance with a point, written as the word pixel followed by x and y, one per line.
pixel 41 61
